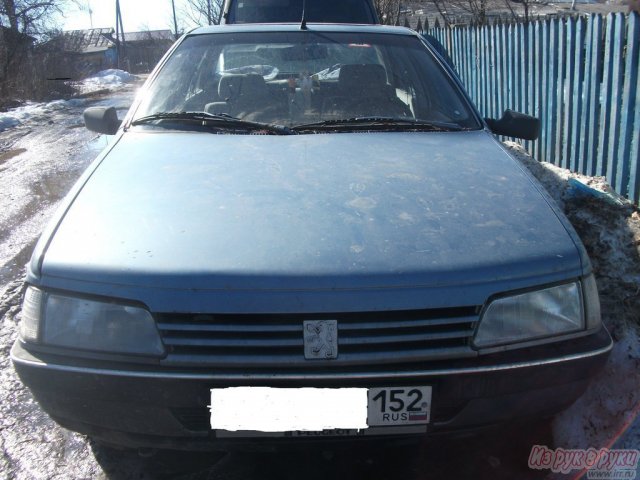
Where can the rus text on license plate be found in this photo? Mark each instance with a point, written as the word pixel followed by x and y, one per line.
pixel 392 406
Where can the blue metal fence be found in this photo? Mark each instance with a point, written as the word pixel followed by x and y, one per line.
pixel 580 76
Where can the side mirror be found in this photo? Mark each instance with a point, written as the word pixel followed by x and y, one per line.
pixel 102 120
pixel 514 124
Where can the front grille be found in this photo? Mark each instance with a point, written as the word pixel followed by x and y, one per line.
pixel 366 338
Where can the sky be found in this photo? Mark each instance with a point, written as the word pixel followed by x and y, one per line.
pixel 136 15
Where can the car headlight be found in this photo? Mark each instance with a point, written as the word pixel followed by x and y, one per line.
pixel 548 312
pixel 79 323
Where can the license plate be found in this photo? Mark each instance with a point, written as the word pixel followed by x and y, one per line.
pixel 393 406
pixel 338 411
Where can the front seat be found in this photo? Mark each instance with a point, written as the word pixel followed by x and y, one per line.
pixel 245 95
pixel 364 92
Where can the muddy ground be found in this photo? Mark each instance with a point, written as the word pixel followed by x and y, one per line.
pixel 40 160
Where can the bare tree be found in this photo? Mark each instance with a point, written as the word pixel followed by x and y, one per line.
pixel 23 22
pixel 514 14
pixel 441 6
pixel 203 12
pixel 526 6
pixel 478 10
pixel 388 11
pixel 475 8
pixel 30 17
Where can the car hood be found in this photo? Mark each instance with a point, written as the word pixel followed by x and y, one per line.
pixel 346 211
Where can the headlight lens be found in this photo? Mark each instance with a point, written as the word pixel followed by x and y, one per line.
pixel 85 324
pixel 532 315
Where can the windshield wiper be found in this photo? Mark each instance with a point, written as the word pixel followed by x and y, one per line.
pixel 220 120
pixel 380 123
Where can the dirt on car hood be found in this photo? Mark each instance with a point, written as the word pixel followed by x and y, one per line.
pixel 333 212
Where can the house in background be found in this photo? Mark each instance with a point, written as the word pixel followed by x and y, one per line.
pixel 83 52
pixel 143 50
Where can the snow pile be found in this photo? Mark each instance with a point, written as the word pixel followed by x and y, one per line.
pixel 35 112
pixel 609 227
pixel 112 79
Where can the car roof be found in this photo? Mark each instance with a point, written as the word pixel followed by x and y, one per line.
pixel 295 27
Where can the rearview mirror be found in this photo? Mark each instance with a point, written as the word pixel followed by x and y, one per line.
pixel 102 120
pixel 515 124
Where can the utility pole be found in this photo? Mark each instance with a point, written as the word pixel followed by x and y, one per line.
pixel 175 20
pixel 90 13
pixel 209 17
pixel 120 45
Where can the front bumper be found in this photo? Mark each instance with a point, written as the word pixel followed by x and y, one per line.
pixel 137 406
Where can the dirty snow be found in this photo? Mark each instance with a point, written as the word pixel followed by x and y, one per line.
pixel 106 80
pixel 111 79
pixel 35 112
pixel 609 226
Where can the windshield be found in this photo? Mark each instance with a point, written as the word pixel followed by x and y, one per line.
pixel 286 11
pixel 302 77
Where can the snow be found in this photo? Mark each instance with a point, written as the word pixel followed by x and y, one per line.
pixel 112 79
pixel 610 403
pixel 609 226
pixel 31 112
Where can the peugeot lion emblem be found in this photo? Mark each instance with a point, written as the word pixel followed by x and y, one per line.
pixel 320 339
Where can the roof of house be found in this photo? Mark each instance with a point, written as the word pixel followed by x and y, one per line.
pixel 149 35
pixel 88 41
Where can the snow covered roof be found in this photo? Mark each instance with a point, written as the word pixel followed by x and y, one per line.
pixel 88 41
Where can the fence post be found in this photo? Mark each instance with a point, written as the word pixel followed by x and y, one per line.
pixel 606 98
pixel 551 65
pixel 532 96
pixel 568 91
pixel 578 98
pixel 559 109
pixel 483 45
pixel 594 73
pixel 630 123
pixel 617 74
